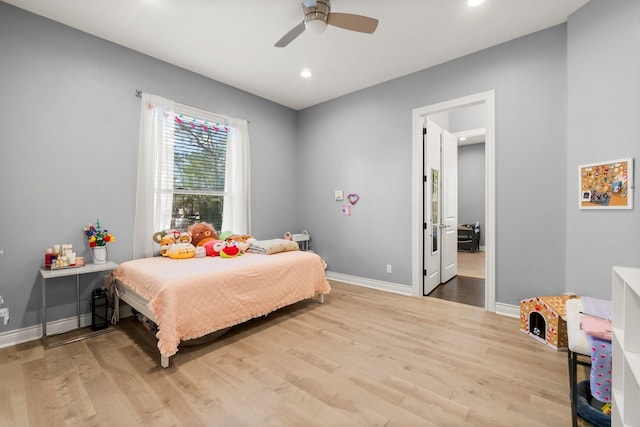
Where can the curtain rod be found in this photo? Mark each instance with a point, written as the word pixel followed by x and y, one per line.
pixel 139 95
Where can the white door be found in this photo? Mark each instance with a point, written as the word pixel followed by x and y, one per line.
pixel 449 221
pixel 432 238
pixel 441 206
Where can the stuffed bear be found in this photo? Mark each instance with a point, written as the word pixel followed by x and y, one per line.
pixel 201 233
pixel 184 238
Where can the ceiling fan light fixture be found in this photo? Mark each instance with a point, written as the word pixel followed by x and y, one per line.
pixel 315 26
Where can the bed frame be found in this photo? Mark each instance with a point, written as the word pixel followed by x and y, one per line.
pixel 139 304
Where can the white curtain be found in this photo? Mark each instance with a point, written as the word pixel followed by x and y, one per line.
pixel 236 213
pixel 154 198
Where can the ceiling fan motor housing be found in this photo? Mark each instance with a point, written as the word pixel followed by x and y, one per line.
pixel 316 17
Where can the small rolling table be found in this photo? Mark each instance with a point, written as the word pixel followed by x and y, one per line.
pixel 64 272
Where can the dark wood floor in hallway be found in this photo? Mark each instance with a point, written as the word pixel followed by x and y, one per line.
pixel 465 290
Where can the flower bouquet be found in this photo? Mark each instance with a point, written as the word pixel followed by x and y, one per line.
pixel 98 236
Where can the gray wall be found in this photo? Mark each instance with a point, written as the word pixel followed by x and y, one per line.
pixel 69 144
pixel 603 124
pixel 471 173
pixel 362 143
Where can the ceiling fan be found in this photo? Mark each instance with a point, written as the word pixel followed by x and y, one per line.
pixel 317 14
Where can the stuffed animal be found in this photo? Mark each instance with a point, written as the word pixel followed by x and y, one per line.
pixel 182 249
pixel 225 234
pixel 165 243
pixel 242 241
pixel 184 238
pixel 230 250
pixel 159 235
pixel 213 247
pixel 165 239
pixel 201 233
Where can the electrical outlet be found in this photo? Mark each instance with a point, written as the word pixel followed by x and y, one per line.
pixel 4 313
pixel 389 268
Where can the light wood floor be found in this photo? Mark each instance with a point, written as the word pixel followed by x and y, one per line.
pixel 363 358
pixel 471 264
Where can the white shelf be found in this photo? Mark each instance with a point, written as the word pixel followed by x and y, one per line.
pixel 618 403
pixel 626 346
pixel 72 271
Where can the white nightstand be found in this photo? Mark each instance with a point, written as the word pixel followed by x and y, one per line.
pixel 65 272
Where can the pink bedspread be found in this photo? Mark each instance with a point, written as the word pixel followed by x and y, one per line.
pixel 193 297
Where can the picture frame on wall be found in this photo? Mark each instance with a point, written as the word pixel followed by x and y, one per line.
pixel 606 185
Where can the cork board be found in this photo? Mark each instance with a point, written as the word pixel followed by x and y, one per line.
pixel 607 185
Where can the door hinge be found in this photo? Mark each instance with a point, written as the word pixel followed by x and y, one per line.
pixel 424 272
pixel 424 178
pixel 424 225
pixel 424 131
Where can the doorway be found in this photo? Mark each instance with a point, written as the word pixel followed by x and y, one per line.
pixel 487 99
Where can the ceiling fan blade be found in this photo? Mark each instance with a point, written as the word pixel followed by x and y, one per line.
pixel 291 35
pixel 348 21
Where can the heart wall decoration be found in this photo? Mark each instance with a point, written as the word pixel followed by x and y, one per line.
pixel 353 198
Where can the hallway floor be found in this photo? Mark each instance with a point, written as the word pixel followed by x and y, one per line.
pixel 468 286
pixel 465 290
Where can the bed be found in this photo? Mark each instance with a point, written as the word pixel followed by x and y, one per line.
pixel 191 298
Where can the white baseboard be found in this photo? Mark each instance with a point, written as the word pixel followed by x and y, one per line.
pixel 370 283
pixel 502 309
pixel 508 310
pixel 18 336
pixel 31 333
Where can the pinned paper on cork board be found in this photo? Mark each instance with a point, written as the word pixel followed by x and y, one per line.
pixel 606 185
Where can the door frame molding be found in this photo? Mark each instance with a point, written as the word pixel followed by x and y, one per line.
pixel 417 211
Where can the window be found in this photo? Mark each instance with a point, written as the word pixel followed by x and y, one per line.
pixel 192 166
pixel 199 169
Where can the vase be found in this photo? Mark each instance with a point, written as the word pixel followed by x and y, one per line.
pixel 99 254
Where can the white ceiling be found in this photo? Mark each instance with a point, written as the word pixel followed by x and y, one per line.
pixel 231 41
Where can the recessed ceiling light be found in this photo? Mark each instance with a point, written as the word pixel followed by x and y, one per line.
pixel 463 138
pixel 305 73
pixel 474 3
